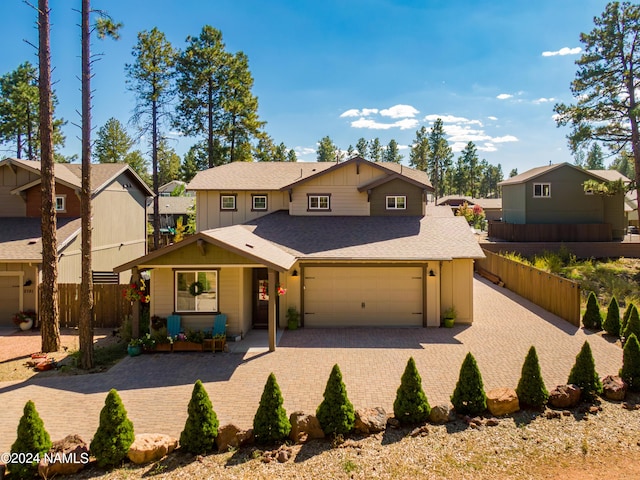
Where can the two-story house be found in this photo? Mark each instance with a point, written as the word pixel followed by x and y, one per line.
pixel 119 226
pixel 352 243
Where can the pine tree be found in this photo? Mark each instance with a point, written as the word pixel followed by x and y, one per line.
pixel 584 375
pixel 625 317
pixel 469 396
pixel 201 428
pixel 633 324
pixel 531 389
pixel 611 324
pixel 114 436
pixel 32 438
pixel 592 319
pixel 270 424
pixel 411 404
pixel 630 371
pixel 326 150
pixel 336 413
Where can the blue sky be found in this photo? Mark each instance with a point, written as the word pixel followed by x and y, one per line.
pixel 348 69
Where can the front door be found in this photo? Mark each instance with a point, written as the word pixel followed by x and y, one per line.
pixel 260 298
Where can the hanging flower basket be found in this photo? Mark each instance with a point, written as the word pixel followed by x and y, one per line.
pixel 196 288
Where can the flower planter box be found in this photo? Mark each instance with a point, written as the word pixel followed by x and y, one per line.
pixel 163 347
pixel 181 346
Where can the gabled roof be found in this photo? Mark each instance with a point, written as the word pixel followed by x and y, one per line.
pixel 20 237
pixel 611 175
pixel 456 200
pixel 539 171
pixel 172 205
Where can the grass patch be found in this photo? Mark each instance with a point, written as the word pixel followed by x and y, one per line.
pixel 103 358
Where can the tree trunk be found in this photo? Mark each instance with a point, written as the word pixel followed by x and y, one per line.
pixel 154 157
pixel 85 322
pixel 210 122
pixel 49 310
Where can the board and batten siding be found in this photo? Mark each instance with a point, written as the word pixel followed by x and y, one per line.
pixel 456 288
pixel 414 198
pixel 13 205
pixel 209 215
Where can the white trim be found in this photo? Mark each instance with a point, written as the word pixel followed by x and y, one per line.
pixel 319 197
pixel 395 202
pixel 196 272
pixel 542 189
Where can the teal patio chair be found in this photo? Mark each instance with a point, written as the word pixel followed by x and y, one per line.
pixel 220 332
pixel 173 325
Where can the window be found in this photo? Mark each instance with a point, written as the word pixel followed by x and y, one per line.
pixel 542 190
pixel 205 286
pixel 227 202
pixel 258 202
pixel 396 202
pixel 318 202
pixel 61 203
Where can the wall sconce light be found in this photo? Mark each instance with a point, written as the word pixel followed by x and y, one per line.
pixel 295 273
pixel 27 283
pixel 432 273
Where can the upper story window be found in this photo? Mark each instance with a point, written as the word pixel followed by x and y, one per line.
pixel 319 202
pixel 541 190
pixel 396 202
pixel 258 202
pixel 227 202
pixel 61 203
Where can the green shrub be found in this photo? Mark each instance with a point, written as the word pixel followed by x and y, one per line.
pixel 632 325
pixel 201 428
pixel 531 389
pixel 630 371
pixel 411 404
pixel 625 317
pixel 336 413
pixel 32 438
pixel 592 319
pixel 114 436
pixel 611 324
pixel 469 396
pixel 584 375
pixel 270 424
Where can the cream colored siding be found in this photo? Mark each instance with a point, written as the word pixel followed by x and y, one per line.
pixel 162 292
pixel 209 215
pixel 457 288
pixel 13 205
pixel 10 284
pixel 363 296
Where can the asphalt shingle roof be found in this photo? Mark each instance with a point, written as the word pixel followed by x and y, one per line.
pixel 20 237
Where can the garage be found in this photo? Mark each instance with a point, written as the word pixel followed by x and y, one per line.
pixel 9 298
pixel 337 296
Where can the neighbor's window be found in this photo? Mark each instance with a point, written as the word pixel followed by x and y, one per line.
pixel 61 203
pixel 259 202
pixel 196 291
pixel 541 190
pixel 318 202
pixel 396 202
pixel 227 202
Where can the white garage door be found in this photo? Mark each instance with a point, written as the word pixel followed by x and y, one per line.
pixel 9 298
pixel 363 296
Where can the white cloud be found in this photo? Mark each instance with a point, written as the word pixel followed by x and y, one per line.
pixel 399 111
pixel 403 124
pixel 452 119
pixel 504 96
pixel 487 147
pixel 563 51
pixel 354 112
pixel 505 139
pixel 300 151
pixel 492 118
pixel 544 100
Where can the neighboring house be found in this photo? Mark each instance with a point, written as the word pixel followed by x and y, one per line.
pixel 492 207
pixel 550 204
pixel 171 208
pixel 118 222
pixel 353 244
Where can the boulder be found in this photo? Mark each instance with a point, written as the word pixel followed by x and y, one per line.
pixel 230 436
pixel 614 388
pixel 370 420
pixel 441 414
pixel 565 396
pixel 150 447
pixel 502 401
pixel 304 427
pixel 67 456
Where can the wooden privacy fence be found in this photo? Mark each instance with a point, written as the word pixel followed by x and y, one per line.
pixel 109 306
pixel 551 232
pixel 558 295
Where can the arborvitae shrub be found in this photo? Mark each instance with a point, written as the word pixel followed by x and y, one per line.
pixel 469 396
pixel 270 424
pixel 584 375
pixel 630 371
pixel 531 389
pixel 411 404
pixel 625 317
pixel 336 413
pixel 592 318
pixel 632 325
pixel 611 324
pixel 114 436
pixel 32 438
pixel 201 428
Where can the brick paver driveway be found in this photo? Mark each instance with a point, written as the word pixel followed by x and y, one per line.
pixel 156 388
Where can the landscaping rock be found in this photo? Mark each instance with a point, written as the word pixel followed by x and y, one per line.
pixel 422 431
pixel 150 447
pixel 393 422
pixel 441 414
pixel 492 422
pixel 304 427
pixel 614 388
pixel 565 396
pixel 370 420
pixel 70 456
pixel 550 414
pixel 230 436
pixel 502 401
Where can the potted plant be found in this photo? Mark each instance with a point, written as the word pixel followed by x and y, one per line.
pixel 293 318
pixel 148 343
pixel 135 347
pixel 449 317
pixel 24 320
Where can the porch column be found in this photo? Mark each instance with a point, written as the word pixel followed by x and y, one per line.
pixel 273 296
pixel 135 314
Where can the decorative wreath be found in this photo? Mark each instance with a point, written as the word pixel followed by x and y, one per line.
pixel 196 289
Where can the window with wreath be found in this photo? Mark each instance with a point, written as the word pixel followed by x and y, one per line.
pixel 196 291
pixel 396 202
pixel 542 190
pixel 318 202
